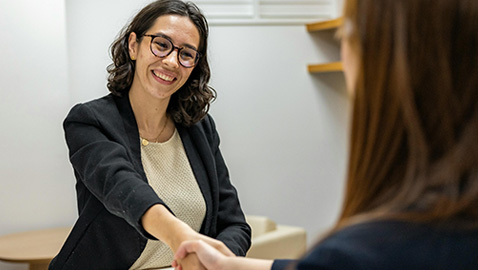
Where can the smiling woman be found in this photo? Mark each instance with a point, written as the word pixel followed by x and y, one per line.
pixel 146 157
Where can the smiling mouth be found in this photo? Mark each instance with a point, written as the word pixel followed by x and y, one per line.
pixel 164 77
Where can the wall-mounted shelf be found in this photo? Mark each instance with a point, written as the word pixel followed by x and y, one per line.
pixel 321 26
pixel 327 67
pixel 324 25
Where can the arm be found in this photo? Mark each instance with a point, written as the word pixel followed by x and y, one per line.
pixel 102 163
pixel 174 231
pixel 212 259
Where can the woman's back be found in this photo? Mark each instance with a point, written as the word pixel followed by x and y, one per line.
pixel 395 245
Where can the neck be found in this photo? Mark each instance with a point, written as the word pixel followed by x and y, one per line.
pixel 150 113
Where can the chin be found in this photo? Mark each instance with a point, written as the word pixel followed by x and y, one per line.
pixel 162 95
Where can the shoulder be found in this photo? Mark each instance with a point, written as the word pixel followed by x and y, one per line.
pixel 201 133
pixel 97 109
pixel 362 246
pixel 373 230
pixel 206 127
pixel 100 104
pixel 369 242
pixel 207 124
pixel 345 249
pixel 388 245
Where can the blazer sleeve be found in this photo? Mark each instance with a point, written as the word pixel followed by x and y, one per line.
pixel 104 166
pixel 284 264
pixel 232 228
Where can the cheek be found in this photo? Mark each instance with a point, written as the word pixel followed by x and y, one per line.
pixel 349 62
pixel 186 75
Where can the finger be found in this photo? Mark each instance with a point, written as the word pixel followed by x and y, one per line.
pixel 191 262
pixel 224 249
pixel 207 254
pixel 221 247
pixel 194 260
pixel 184 249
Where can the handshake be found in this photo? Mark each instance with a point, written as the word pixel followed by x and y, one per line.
pixel 201 254
pixel 195 251
pixel 213 255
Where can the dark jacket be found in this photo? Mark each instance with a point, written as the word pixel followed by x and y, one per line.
pixel 113 192
pixel 393 245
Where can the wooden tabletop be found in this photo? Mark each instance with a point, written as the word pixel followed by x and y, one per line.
pixel 34 247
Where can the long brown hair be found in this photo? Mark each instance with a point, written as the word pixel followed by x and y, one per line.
pixel 191 102
pixel 414 134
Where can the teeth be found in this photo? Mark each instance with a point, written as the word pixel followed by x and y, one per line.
pixel 164 77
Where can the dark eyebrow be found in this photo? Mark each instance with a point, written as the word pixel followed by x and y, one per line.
pixel 170 39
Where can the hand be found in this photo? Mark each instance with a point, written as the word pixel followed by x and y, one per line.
pixel 216 244
pixel 210 257
pixel 190 262
pixel 159 222
pixel 213 259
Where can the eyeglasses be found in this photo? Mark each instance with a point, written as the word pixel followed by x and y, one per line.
pixel 161 46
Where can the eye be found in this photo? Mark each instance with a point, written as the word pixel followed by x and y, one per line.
pixel 162 44
pixel 188 54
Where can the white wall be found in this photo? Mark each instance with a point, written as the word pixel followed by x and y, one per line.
pixel 36 185
pixel 283 130
pixel 339 7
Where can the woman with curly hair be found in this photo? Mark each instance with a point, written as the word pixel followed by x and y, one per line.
pixel 146 157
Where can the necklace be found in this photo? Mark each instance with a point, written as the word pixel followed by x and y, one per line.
pixel 145 142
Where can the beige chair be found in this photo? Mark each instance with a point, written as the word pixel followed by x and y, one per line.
pixel 272 241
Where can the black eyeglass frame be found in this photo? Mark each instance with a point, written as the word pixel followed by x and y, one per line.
pixel 173 47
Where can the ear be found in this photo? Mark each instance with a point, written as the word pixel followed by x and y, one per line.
pixel 133 45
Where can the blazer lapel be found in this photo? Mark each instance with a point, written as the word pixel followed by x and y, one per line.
pixel 131 130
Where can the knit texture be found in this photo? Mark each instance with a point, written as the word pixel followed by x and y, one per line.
pixel 169 173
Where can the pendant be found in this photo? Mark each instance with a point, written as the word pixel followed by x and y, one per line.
pixel 144 142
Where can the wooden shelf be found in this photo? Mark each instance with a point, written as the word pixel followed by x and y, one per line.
pixel 320 26
pixel 326 67
pixel 324 25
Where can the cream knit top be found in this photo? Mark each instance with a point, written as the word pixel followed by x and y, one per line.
pixel 169 173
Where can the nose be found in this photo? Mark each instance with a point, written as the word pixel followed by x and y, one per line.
pixel 172 60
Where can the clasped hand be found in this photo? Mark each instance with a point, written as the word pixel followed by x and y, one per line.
pixel 209 254
pixel 186 256
pixel 159 222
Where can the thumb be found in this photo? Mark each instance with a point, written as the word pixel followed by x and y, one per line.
pixel 185 248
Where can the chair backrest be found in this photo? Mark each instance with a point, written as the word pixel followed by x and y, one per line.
pixel 260 225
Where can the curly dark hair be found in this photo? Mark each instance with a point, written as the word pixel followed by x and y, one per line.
pixel 191 102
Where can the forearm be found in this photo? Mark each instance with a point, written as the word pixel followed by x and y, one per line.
pixel 163 225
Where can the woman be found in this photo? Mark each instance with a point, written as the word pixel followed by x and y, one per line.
pixel 146 157
pixel 412 189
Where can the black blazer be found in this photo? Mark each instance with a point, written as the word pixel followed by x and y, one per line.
pixel 113 192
